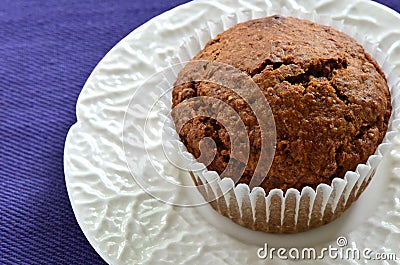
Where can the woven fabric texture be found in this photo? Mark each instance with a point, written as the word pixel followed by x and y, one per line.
pixel 47 51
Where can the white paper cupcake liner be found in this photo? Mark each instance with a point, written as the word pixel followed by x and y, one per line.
pixel 278 212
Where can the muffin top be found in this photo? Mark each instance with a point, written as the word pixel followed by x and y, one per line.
pixel 329 99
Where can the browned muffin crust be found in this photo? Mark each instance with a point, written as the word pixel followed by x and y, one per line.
pixel 330 100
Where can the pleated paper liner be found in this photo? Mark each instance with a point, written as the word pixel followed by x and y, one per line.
pixel 279 212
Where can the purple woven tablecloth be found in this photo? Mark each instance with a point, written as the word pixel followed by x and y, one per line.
pixel 47 51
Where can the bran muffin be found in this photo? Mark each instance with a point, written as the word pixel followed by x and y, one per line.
pixel 329 98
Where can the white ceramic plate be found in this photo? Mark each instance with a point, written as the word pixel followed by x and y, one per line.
pixel 127 226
